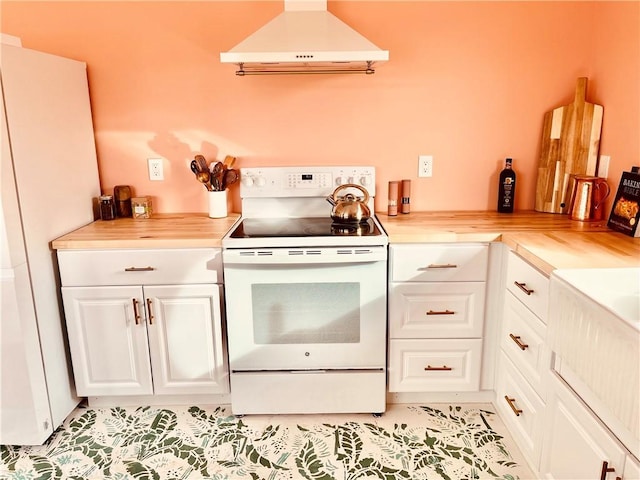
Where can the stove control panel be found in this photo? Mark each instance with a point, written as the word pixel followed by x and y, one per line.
pixel 275 182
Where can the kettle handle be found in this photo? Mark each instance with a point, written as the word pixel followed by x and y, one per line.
pixel 353 185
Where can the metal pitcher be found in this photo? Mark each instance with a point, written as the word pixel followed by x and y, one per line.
pixel 587 198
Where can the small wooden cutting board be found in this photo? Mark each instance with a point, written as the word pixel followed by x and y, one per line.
pixel 570 143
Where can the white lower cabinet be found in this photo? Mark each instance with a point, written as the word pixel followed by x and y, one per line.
pixel 523 361
pixel 436 317
pixel 135 340
pixel 150 338
pixel 577 445
pixel 631 468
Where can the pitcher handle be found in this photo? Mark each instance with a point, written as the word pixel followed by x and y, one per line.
pixel 602 183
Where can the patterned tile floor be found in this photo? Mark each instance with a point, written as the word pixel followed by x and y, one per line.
pixel 436 441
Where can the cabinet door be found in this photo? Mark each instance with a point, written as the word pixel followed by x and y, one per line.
pixel 577 446
pixel 108 340
pixel 184 325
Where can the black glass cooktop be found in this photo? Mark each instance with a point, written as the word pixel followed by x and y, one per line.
pixel 302 227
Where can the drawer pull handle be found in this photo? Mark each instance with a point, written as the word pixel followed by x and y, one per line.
pixel 441 312
pixel 136 312
pixel 523 346
pixel 440 369
pixel 150 311
pixel 606 469
pixel 439 265
pixel 511 402
pixel 139 269
pixel 523 287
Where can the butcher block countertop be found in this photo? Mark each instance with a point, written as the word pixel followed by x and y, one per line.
pixel 546 240
pixel 176 230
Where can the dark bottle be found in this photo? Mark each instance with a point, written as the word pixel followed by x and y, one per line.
pixel 507 188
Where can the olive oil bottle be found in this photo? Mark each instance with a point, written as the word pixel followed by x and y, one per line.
pixel 507 188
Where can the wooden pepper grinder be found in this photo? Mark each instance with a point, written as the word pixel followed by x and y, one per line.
pixel 392 209
pixel 406 196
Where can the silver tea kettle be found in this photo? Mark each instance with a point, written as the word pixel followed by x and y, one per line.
pixel 349 208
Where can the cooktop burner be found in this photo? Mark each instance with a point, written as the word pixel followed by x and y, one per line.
pixel 302 227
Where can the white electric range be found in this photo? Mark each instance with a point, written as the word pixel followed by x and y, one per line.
pixel 305 297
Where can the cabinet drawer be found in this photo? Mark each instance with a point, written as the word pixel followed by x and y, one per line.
pixel 631 468
pixel 521 409
pixel 434 365
pixel 528 285
pixel 439 263
pixel 436 310
pixel 522 340
pixel 136 267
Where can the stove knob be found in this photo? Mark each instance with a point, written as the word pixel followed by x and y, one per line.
pixel 260 182
pixel 247 181
pixel 351 180
pixel 338 181
pixel 365 181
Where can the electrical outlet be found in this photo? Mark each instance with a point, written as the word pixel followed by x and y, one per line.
pixel 425 166
pixel 155 169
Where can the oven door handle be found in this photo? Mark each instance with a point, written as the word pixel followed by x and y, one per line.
pixel 304 256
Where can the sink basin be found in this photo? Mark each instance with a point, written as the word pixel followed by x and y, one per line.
pixel 616 289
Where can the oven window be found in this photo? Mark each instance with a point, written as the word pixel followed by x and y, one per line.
pixel 306 313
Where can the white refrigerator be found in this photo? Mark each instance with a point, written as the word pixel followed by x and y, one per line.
pixel 50 185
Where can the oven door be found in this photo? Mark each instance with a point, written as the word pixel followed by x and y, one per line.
pixel 306 309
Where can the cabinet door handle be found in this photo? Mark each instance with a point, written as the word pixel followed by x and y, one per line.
pixel 606 469
pixel 139 269
pixel 523 287
pixel 443 368
pixel 511 402
pixel 150 311
pixel 439 265
pixel 523 346
pixel 136 311
pixel 440 312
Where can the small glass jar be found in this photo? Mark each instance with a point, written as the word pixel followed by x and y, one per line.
pixel 107 207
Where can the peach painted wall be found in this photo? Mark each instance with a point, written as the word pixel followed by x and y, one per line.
pixel 468 82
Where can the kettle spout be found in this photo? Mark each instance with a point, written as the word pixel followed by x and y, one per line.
pixel 331 200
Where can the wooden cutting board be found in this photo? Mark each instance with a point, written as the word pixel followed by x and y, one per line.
pixel 570 143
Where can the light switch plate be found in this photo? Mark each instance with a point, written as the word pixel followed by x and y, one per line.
pixel 603 166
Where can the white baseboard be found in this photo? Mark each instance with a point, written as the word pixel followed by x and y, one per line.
pixel 484 396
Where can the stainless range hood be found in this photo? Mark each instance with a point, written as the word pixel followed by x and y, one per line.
pixel 305 38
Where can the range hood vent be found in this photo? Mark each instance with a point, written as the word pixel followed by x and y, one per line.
pixel 305 38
